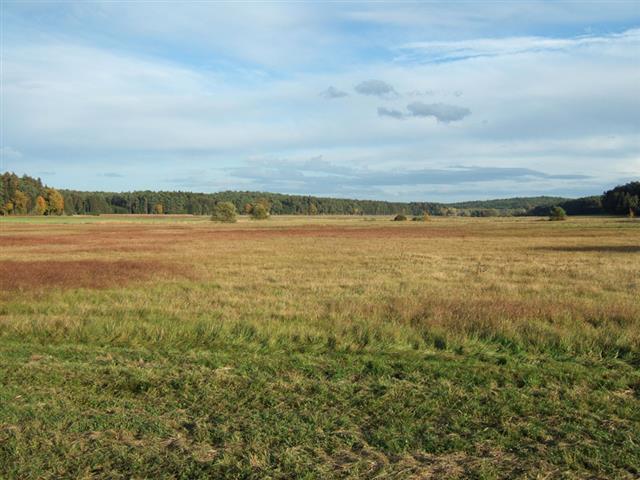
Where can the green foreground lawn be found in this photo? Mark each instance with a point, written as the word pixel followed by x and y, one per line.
pixel 240 411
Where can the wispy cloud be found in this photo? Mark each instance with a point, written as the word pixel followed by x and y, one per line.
pixel 439 51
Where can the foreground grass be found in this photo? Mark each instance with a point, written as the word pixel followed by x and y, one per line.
pixel 476 349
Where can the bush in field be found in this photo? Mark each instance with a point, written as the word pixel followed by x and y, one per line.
pixel 259 212
pixel 557 213
pixel 224 212
pixel 421 218
pixel 400 218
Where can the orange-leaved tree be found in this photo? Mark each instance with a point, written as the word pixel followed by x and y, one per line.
pixel 41 205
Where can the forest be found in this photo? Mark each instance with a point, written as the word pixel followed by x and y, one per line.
pixel 29 196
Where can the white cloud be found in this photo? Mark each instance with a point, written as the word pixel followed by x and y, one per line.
pixel 438 51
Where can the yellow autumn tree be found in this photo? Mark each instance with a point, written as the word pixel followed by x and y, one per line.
pixel 158 209
pixel 20 202
pixel 41 205
pixel 55 201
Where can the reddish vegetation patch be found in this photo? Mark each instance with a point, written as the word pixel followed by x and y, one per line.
pixel 109 240
pixel 30 240
pixel 153 238
pixel 323 232
pixel 348 232
pixel 39 275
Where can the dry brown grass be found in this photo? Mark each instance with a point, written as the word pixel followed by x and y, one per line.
pixel 571 285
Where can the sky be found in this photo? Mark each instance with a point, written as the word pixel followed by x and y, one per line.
pixel 400 101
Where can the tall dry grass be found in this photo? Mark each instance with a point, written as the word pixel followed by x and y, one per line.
pixel 566 288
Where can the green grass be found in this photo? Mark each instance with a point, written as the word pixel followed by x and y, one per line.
pixel 488 348
pixel 250 412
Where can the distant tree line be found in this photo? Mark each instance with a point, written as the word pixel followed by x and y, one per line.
pixel 25 195
pixel 147 202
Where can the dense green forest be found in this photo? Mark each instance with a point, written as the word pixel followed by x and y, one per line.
pixel 511 203
pixel 624 199
pixel 26 195
pixel 577 206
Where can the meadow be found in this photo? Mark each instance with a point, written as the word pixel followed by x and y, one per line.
pixel 319 347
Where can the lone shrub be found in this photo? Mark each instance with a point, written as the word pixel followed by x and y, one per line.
pixel 557 213
pixel 421 218
pixel 399 218
pixel 259 212
pixel 224 212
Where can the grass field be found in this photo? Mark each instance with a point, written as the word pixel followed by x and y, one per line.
pixel 173 347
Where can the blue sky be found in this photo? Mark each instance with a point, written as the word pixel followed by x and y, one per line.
pixel 400 100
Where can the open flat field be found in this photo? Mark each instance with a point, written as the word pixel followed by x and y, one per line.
pixel 174 347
